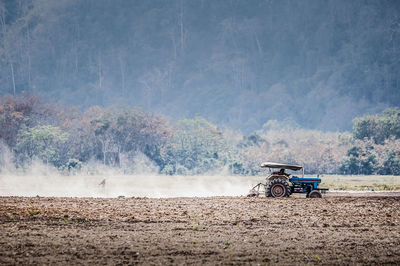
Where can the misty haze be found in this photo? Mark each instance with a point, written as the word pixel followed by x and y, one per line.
pixel 199 132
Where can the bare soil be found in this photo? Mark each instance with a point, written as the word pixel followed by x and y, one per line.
pixel 337 229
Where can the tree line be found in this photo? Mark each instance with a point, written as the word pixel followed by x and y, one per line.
pixel 69 138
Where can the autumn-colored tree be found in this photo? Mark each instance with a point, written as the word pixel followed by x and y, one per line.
pixel 21 110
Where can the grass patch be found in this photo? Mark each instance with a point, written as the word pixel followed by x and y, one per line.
pixel 362 187
pixel 227 245
pixel 361 182
pixel 33 212
pixel 198 227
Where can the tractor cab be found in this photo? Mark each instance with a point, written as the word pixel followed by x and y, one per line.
pixel 280 184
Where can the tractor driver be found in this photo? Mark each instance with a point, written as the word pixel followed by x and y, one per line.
pixel 281 172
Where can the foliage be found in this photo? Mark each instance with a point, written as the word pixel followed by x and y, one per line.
pixel 319 152
pixel 129 130
pixel 16 112
pixel 360 160
pixel 367 157
pixel 73 165
pixel 136 141
pixel 41 141
pixel 378 127
pixel 376 147
pixel 391 163
pixel 196 147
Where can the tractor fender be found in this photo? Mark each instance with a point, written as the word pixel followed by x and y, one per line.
pixel 272 177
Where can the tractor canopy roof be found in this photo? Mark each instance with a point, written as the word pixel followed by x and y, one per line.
pixel 281 166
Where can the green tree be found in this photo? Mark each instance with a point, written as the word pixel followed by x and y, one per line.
pixel 360 160
pixel 197 146
pixel 391 164
pixel 378 127
pixel 129 130
pixel 41 141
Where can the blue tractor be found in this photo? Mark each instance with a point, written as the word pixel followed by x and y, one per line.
pixel 280 184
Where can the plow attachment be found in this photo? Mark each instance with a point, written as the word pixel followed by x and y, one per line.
pixel 256 190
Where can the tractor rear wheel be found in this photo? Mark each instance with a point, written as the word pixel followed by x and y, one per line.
pixel 314 194
pixel 277 188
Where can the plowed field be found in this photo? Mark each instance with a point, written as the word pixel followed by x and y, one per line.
pixel 338 229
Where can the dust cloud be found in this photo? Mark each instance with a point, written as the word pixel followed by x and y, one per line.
pixel 114 185
pixel 97 180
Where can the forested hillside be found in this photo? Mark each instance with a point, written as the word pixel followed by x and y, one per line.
pixel 316 64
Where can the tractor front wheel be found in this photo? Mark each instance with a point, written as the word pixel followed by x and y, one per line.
pixel 277 188
pixel 314 194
